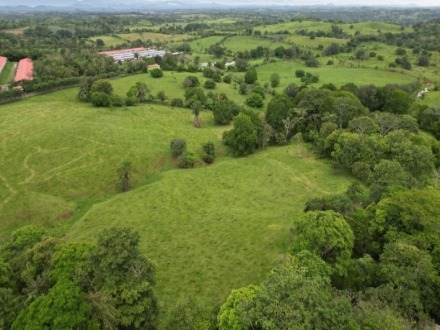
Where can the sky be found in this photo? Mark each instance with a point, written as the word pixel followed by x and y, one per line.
pixel 234 3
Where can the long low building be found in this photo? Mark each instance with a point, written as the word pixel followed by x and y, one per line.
pixel 3 61
pixel 130 54
pixel 24 70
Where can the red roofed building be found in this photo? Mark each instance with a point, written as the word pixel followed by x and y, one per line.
pixel 24 70
pixel 3 61
pixel 154 66
pixel 129 54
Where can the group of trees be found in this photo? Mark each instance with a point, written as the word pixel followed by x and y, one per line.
pixel 48 283
pixel 374 268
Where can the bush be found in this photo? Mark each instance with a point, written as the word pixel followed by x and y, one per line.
pixel 185 160
pixel 423 60
pixel 250 76
pixel 217 77
pixel 380 58
pixel 11 94
pixel 312 62
pixel 330 62
pixel 117 101
pixel 156 73
pixel 243 137
pixel 209 84
pixel 209 149
pixel 131 101
pixel 400 51
pixel 227 79
pixel 260 91
pixel 222 112
pixel 177 146
pixel 102 86
pixel 191 81
pixel 372 54
pixel 255 100
pixel 299 73
pixel 100 99
pixel 176 103
pixel 274 80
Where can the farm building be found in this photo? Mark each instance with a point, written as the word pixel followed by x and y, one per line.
pixel 24 70
pixel 3 61
pixel 129 54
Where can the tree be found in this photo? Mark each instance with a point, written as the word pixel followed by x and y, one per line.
pixel 312 62
pixel 397 102
pixel 347 108
pixel 185 160
pixel 27 236
pixel 290 298
pixel 292 90
pixel 299 73
pixel 191 81
pixel 84 89
pixel 243 137
pixel 326 234
pixel 423 60
pixel 338 203
pixel 250 76
pixel 388 173
pixel 274 80
pixel 333 49
pixel 156 73
pixel 229 317
pixel 64 307
pixel 196 109
pixel 124 177
pixel 363 125
pixel 188 314
pixel 255 100
pixel 278 109
pixel 360 54
pixel 222 112
pixel 291 121
pixel 209 149
pixel 177 146
pixel 117 267
pixel 139 91
pixel 209 84
pixel 102 86
pixel 161 95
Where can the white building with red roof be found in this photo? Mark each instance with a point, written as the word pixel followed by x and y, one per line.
pixel 130 54
pixel 24 70
pixel 3 61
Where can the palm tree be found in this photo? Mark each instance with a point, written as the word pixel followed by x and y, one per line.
pixel 124 176
pixel 196 108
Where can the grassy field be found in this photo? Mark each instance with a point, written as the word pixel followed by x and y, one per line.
pixel 242 43
pixel 307 42
pixel 6 73
pixel 210 229
pixel 330 74
pixel 364 27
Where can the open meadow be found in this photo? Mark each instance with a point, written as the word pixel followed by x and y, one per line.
pixel 210 229
pixel 118 39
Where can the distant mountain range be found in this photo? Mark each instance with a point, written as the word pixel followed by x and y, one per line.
pixel 144 5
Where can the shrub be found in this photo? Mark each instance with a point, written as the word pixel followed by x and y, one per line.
pixel 102 86
pixel 372 54
pixel 423 60
pixel 255 100
pixel 185 160
pixel 209 84
pixel 177 146
pixel 217 77
pixel 299 73
pixel 330 62
pixel 207 72
pixel 131 101
pixel 380 58
pixel 250 76
pixel 177 103
pixel 260 91
pixel 243 137
pixel 222 112
pixel 209 149
pixel 274 80
pixel 400 51
pixel 191 81
pixel 227 79
pixel 156 73
pixel 117 101
pixel 312 62
pixel 100 99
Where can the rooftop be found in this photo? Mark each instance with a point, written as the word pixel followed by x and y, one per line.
pixel 3 61
pixel 24 70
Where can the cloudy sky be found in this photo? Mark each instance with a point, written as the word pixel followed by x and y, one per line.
pixel 234 3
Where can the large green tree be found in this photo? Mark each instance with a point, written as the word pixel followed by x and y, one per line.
pixel 328 235
pixel 243 137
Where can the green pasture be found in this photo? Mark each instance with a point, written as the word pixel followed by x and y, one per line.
pixel 210 229
pixel 7 73
pixel 329 74
pixel 218 227
pixel 242 43
pixel 305 41
pixel 363 27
